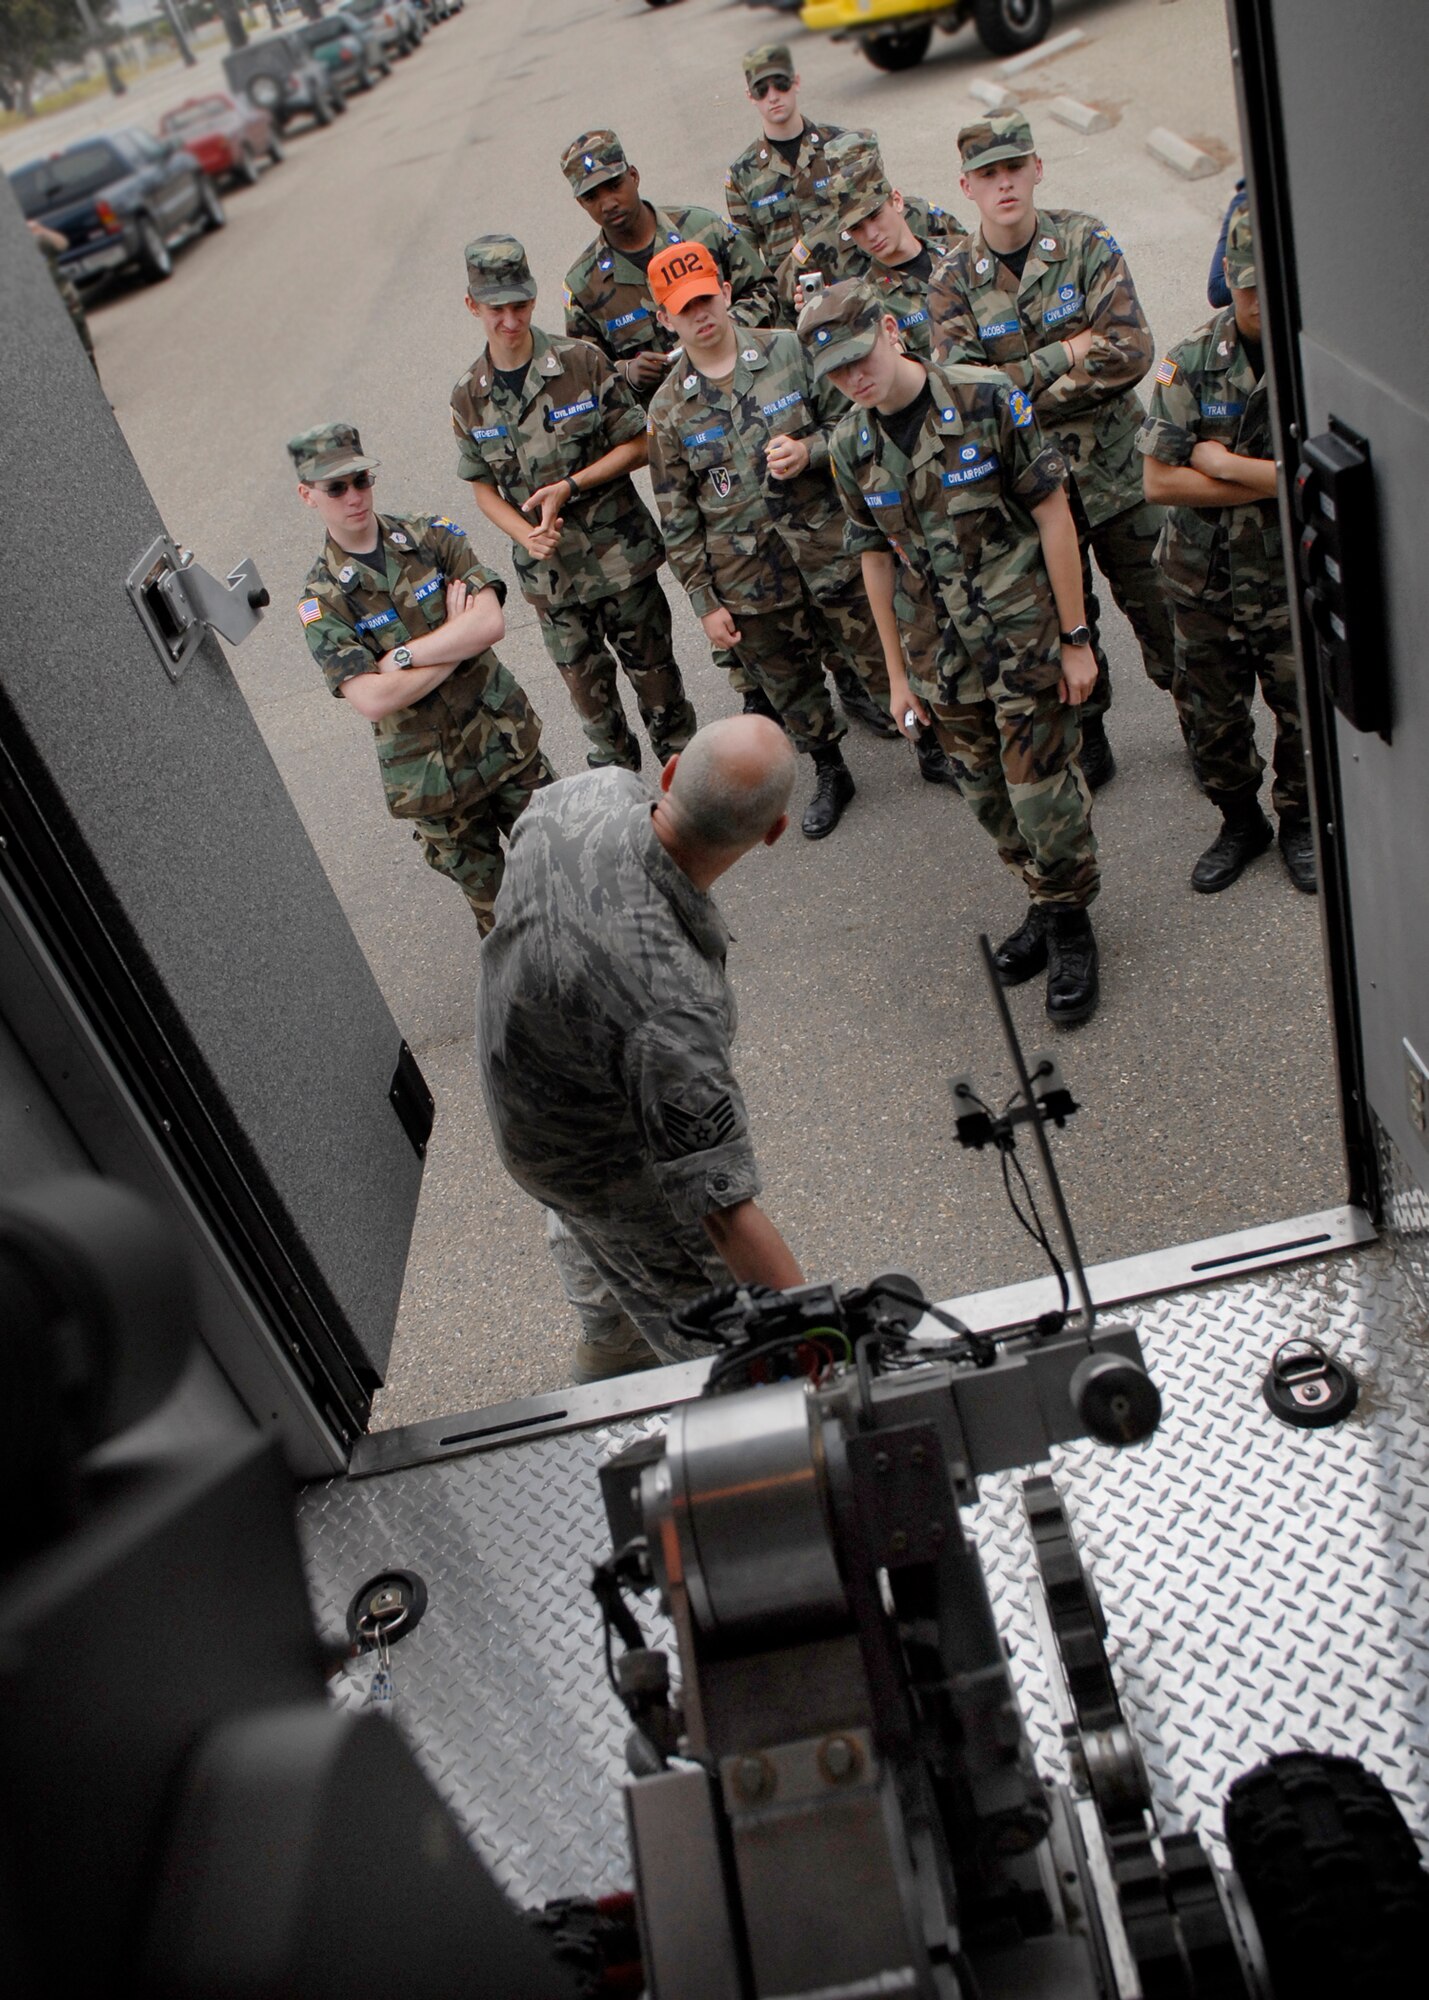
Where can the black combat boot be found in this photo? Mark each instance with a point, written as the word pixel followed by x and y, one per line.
pixel 1071 966
pixel 1297 851
pixel 833 788
pixel 934 763
pixel 1024 954
pixel 757 702
pixel 1245 832
pixel 859 705
pixel 1098 764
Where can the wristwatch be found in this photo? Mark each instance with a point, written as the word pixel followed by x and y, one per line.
pixel 1080 635
pixel 401 656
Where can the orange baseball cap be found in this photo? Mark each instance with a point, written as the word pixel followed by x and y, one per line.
pixel 681 272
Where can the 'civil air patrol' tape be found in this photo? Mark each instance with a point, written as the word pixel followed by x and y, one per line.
pixel 781 403
pixel 481 434
pixel 432 583
pixel 1071 301
pixel 996 328
pixel 707 436
pixel 975 468
pixel 581 409
pixel 627 319
pixel 377 620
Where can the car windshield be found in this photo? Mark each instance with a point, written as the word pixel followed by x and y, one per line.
pixel 362 8
pixel 267 58
pixel 189 117
pixel 321 31
pixel 69 177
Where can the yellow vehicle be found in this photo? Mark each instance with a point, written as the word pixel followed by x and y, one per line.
pixel 896 34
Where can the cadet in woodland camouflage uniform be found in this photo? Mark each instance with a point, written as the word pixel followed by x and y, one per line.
pixel 548 435
pixel 1210 457
pixel 739 461
pixel 777 190
pixel 604 1025
pixel 901 239
pixel 957 507
pixel 401 617
pixel 1046 296
pixel 607 297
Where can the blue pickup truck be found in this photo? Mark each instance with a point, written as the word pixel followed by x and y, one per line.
pixel 121 199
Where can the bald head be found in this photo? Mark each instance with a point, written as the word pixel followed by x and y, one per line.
pixel 730 786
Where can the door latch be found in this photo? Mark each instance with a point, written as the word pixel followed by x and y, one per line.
pixel 1338 558
pixel 178 601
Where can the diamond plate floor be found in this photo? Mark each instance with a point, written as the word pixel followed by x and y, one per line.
pixel 1264 1587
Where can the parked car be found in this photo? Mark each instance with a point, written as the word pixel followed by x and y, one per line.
pixel 896 34
pixel 344 52
pixel 433 11
pixel 285 78
pixel 399 22
pixel 228 136
pixel 122 199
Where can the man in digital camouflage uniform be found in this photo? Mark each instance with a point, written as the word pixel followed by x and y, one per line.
pixel 739 458
pixel 777 190
pixel 901 238
pixel 958 510
pixel 1046 296
pixel 549 435
pixel 402 619
pixel 607 297
pixel 1209 456
pixel 604 1030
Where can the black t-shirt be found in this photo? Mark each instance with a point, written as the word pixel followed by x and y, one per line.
pixel 789 147
pixel 375 557
pixel 642 257
pixel 904 425
pixel 919 267
pixel 1016 260
pixel 513 380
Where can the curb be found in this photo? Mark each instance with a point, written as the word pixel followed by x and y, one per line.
pixel 1081 117
pixel 1180 155
pixel 1044 52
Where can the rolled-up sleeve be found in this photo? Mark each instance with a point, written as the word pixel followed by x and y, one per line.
pixel 689 1108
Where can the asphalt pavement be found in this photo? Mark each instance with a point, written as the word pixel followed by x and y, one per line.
pixel 336 292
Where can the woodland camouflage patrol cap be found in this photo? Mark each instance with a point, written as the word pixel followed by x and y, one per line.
pixel 497 273
pixel 329 452
pixel 840 325
pixel 592 160
pixel 1240 252
pixel 860 184
pixel 769 59
pixel 1007 136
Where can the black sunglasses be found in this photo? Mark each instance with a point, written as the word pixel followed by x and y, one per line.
pixel 359 482
pixel 768 83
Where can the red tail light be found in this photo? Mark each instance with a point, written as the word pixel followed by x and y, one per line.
pixel 107 217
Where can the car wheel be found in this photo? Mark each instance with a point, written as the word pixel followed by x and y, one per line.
pixel 211 206
pixel 384 68
pixel 275 149
pixel 322 109
pixel 1006 27
pixel 898 50
pixel 247 167
pixel 155 258
pixel 339 100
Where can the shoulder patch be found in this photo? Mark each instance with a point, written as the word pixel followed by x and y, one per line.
pixel 452 527
pixel 310 611
pixel 1021 410
pixel 733 228
pixel 1166 373
pixel 1105 236
pixel 729 178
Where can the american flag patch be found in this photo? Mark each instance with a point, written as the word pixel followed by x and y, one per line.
pixel 1166 373
pixel 310 611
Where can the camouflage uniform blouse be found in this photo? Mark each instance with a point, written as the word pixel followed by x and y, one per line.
pixel 608 298
pixel 464 739
pixel 604 1019
pixel 835 253
pixel 772 202
pixel 572 409
pixel 1075 277
pixel 1204 390
pixel 735 536
pixel 972 596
